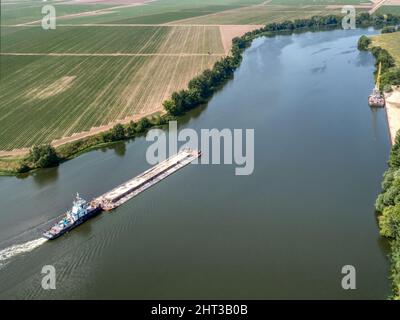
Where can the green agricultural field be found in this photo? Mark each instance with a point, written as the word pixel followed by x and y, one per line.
pixel 257 15
pixel 84 40
pixel 164 11
pixel 156 12
pixel 118 39
pixel 59 82
pixel 389 9
pixel 390 42
pixel 16 12
pixel 318 2
pixel 45 98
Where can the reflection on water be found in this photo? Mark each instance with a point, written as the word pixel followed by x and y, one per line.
pixel 363 59
pixel 119 148
pixel 46 176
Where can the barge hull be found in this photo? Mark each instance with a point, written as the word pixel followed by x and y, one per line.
pixel 150 177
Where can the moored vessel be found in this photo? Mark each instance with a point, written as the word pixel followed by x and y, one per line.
pixel 376 98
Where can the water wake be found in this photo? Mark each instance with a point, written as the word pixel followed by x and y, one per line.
pixel 17 249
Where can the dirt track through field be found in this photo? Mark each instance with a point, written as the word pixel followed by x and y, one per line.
pixel 377 4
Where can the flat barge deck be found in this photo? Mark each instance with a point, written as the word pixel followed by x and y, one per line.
pixel 145 180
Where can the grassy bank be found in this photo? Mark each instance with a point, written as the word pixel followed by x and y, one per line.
pixel 386 50
pixel 390 42
pixel 10 165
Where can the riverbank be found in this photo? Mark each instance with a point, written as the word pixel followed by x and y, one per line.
pixel 22 164
pixel 386 49
pixel 388 208
pixel 393 112
pixel 391 78
pixel 200 89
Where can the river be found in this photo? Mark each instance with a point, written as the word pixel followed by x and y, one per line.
pixel 285 231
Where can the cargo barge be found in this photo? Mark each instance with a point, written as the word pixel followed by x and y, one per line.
pixel 82 210
pixel 133 187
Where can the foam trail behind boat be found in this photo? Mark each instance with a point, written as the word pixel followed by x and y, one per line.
pixel 17 249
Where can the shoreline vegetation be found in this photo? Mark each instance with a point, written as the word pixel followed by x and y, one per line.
pixel 200 90
pixel 387 204
pixel 390 73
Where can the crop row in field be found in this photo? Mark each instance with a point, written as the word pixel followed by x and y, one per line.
pixel 190 39
pixel 46 98
pixel 318 2
pixel 258 15
pixel 16 13
pixel 165 11
pixel 84 39
pixel 156 12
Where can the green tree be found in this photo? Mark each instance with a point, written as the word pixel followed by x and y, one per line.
pixel 130 130
pixel 363 43
pixel 388 29
pixel 158 120
pixel 391 78
pixel 170 107
pixel 382 56
pixel 389 222
pixel 142 125
pixel 388 203
pixel 43 156
pixel 118 132
pixel 23 167
pixel 395 267
pixel 114 134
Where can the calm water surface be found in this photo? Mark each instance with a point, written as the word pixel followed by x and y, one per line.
pixel 283 232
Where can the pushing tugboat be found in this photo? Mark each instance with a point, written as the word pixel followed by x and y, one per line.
pixel 376 99
pixel 80 212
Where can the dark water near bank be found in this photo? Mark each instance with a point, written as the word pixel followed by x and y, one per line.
pixel 283 232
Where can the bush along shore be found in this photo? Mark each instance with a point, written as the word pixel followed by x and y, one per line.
pixel 390 73
pixel 388 207
pixel 200 90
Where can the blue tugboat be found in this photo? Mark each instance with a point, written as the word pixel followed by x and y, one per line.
pixel 80 212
